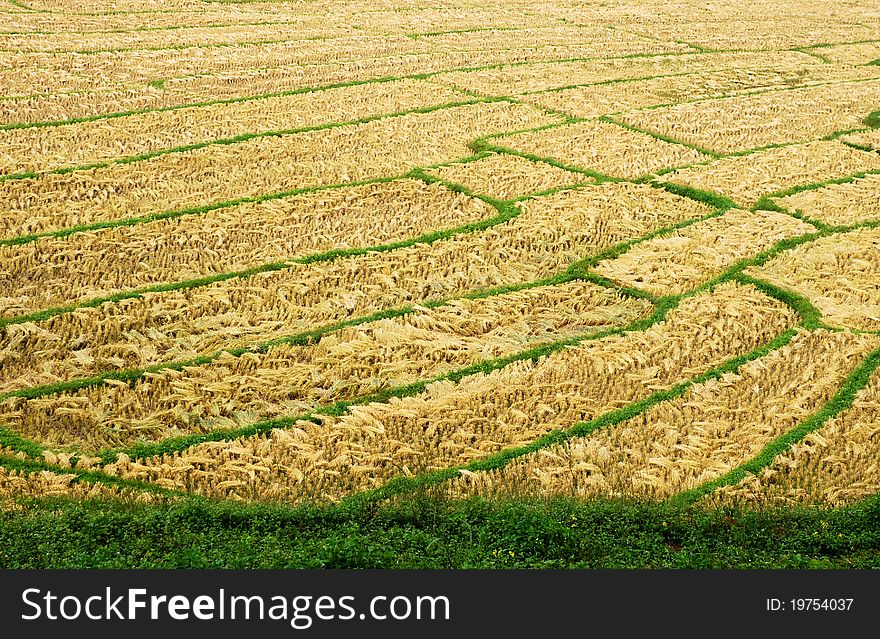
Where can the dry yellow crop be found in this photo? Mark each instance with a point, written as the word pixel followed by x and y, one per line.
pixel 835 465
pixel 16 484
pixel 839 274
pixel 747 122
pixel 861 53
pixel 550 234
pixel 16 82
pixel 220 213
pixel 579 41
pixel 168 38
pixel 596 100
pixel 868 139
pixel 839 204
pixel 145 65
pixel 747 178
pixel 289 380
pixel 677 445
pixel 61 22
pixel 518 79
pixel 451 424
pixel 603 147
pixel 61 106
pixel 255 167
pixel 91 6
pixel 55 271
pixel 744 32
pixel 508 176
pixel 682 260
pixel 432 17
pixel 39 149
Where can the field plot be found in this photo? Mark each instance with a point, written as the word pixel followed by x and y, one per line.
pixel 322 251
pixel 742 123
pixel 748 178
pixel 601 147
pixel 839 274
pixel 851 202
pixel 836 464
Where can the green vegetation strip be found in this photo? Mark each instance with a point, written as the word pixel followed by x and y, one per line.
pixel 427 532
pixel 843 399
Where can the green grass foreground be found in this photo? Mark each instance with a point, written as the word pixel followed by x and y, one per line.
pixel 426 532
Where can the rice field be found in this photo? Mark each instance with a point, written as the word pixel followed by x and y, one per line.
pixel 292 253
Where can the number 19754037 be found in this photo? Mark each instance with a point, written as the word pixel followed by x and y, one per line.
pixel 809 604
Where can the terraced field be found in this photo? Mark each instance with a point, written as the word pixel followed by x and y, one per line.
pixel 299 252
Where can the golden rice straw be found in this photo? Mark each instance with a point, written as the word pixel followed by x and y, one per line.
pixel 256 167
pixel 839 204
pixel 604 147
pixel 747 122
pixel 861 53
pixel 677 445
pixel 551 233
pixel 90 6
pixel 28 81
pixel 513 80
pixel 834 466
pixel 146 65
pixel 39 149
pixel 690 256
pixel 183 37
pixel 839 274
pixel 17 484
pixel 451 424
pixel 586 41
pixel 430 18
pixel 870 139
pixel 224 15
pixel 740 28
pixel 237 83
pixel 593 101
pixel 287 380
pixel 508 176
pixel 56 271
pixel 51 108
pixel 748 177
